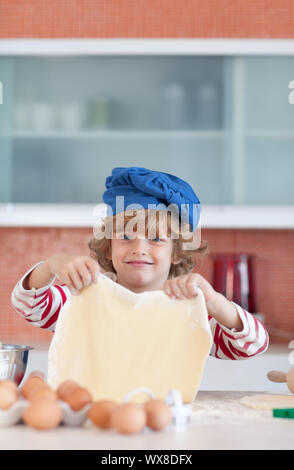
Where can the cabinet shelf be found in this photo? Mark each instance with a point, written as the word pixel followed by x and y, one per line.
pixel 270 133
pixel 149 134
pixel 124 134
pixel 86 215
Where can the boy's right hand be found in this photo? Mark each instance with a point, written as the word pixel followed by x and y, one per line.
pixel 76 271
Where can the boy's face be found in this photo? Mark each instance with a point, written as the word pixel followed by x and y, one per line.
pixel 141 263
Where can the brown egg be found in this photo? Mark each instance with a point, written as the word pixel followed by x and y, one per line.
pixel 37 373
pixel 31 383
pixel 36 387
pixel 78 398
pixel 43 414
pixel 100 413
pixel 158 414
pixel 41 393
pixel 8 396
pixel 9 383
pixel 66 388
pixel 129 418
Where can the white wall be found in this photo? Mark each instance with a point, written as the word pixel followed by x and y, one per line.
pixel 243 375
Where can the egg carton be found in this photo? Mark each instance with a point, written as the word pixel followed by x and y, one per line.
pixel 14 414
pixel 180 412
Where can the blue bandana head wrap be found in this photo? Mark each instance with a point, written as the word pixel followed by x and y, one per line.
pixel 142 188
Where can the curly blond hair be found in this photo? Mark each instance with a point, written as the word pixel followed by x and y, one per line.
pixel 183 259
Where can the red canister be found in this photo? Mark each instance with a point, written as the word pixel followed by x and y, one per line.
pixel 233 276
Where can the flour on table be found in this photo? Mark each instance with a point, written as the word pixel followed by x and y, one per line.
pixel 216 405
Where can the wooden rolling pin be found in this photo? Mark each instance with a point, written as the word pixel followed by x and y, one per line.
pixel 278 376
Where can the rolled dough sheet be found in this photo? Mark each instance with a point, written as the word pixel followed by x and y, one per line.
pixel 112 340
pixel 268 402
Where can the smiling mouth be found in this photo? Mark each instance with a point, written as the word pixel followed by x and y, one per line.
pixel 139 263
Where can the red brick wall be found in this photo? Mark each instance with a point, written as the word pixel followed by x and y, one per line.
pixel 21 248
pixel 146 18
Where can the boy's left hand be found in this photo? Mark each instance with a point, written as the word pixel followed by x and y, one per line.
pixel 185 287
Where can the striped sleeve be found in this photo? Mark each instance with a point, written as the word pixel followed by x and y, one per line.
pixel 41 306
pixel 252 340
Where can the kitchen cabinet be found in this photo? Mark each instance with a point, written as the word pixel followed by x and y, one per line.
pixel 223 122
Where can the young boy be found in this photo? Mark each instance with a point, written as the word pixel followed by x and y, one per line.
pixel 140 262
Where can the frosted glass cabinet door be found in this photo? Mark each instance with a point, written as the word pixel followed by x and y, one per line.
pixel 268 131
pixel 6 170
pixel 76 118
pixel 74 170
pixel 222 123
pixel 267 94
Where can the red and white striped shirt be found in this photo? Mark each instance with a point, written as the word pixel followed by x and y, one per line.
pixel 41 307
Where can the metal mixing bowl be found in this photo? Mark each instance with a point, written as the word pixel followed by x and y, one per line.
pixel 13 361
